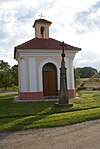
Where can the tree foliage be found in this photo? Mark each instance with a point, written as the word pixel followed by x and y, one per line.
pixel 76 77
pixel 8 75
pixel 86 72
pixel 5 77
pixel 14 73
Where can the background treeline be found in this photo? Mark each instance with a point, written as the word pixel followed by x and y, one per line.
pixel 9 75
pixel 85 72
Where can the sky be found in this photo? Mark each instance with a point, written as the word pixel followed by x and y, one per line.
pixel 75 22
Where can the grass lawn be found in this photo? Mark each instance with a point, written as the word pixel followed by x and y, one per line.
pixel 19 116
pixel 14 88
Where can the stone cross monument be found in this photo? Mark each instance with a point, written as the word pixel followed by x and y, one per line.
pixel 63 95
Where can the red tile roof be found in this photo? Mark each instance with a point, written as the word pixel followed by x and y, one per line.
pixel 44 44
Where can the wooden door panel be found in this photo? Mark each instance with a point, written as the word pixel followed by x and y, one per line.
pixel 50 81
pixel 45 83
pixel 53 82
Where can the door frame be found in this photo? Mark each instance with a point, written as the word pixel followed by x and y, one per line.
pixel 48 60
pixel 48 74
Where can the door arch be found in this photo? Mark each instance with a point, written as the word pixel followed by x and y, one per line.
pixel 49 73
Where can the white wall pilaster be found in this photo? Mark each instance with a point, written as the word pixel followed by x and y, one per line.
pixel 70 73
pixel 22 74
pixel 32 75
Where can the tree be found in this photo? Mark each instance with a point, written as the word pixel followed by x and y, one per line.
pixel 76 77
pixel 87 72
pixel 14 72
pixel 5 74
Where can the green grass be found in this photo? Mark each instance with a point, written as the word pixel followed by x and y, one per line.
pixel 13 88
pixel 19 116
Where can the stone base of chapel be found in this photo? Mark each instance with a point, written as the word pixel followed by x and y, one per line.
pixel 39 95
pixel 30 95
pixel 72 93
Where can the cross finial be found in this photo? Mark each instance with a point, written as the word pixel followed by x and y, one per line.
pixel 63 54
pixel 41 15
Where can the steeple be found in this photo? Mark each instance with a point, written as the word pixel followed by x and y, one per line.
pixel 42 28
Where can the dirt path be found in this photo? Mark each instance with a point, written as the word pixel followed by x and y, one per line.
pixel 79 136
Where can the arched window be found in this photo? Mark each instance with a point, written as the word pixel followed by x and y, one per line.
pixel 42 31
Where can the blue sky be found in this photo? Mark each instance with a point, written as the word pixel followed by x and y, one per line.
pixel 74 22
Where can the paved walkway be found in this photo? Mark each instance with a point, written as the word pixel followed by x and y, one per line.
pixel 79 136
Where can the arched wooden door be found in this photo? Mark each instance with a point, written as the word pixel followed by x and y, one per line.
pixel 49 72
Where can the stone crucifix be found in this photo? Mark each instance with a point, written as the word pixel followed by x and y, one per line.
pixel 63 95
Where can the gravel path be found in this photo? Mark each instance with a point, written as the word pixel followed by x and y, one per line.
pixel 79 136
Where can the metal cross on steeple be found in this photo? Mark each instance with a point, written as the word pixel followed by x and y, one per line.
pixel 41 15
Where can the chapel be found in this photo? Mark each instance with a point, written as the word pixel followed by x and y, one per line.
pixel 39 62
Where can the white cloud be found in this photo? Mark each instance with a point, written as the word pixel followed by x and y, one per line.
pixel 71 22
pixel 88 20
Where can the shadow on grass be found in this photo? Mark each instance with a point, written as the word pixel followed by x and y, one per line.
pixel 31 121
pixel 20 116
pixel 20 123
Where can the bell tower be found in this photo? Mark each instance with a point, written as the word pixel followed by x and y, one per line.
pixel 42 28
